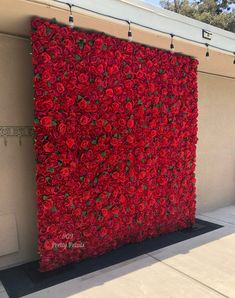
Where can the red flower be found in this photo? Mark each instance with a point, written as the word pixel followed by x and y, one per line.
pixel 140 74
pixel 98 43
pixel 129 106
pixel 45 57
pixel 108 128
pixel 118 90
pixel 62 128
pixel 103 232
pixel 84 120
pixel 49 244
pixel 46 75
pixel 84 144
pixel 83 78
pixel 122 199
pixel 77 212
pixel 104 212
pixel 48 204
pixel 115 175
pixel 100 122
pixel 48 147
pixel 114 142
pixel 82 104
pixel 65 172
pixel 122 122
pixel 130 123
pixel 46 121
pixel 70 142
pixel 60 87
pixel 109 92
pixel 130 139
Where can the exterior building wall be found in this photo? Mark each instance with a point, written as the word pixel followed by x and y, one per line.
pixel 215 151
pixel 17 163
pixel 216 145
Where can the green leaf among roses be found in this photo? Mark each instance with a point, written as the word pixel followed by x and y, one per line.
pixel 81 43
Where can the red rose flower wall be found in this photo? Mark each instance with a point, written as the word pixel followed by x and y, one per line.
pixel 116 132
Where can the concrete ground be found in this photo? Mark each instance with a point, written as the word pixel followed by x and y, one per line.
pixel 203 266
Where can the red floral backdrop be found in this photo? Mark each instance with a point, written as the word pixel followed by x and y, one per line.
pixel 116 133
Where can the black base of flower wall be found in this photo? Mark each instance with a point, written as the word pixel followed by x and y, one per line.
pixel 26 279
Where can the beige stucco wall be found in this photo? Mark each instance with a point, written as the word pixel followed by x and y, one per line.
pixel 215 151
pixel 216 146
pixel 17 165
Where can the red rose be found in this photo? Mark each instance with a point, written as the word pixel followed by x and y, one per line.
pixel 100 69
pixel 84 144
pixel 114 142
pixel 122 199
pixel 49 244
pixel 130 123
pixel 48 147
pixel 43 105
pixel 109 92
pixel 60 87
pixel 65 172
pixel 122 122
pixel 129 48
pixel 45 57
pixel 115 68
pixel 82 104
pixel 118 90
pixel 108 128
pixel 48 204
pixel 70 142
pixel 140 89
pixel 46 75
pixel 140 74
pixel 129 106
pixel 99 122
pixel 84 120
pixel 68 43
pixel 104 212
pixel 52 229
pixel 98 43
pixel 127 69
pixel 77 212
pixel 62 128
pixel 46 121
pixel 130 139
pixel 69 102
pixel 115 106
pixel 103 232
pixel 141 206
pixel 115 175
pixel 115 210
pixel 83 78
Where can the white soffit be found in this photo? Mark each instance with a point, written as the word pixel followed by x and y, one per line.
pixel 160 19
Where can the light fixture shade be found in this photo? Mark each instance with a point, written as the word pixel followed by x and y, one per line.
pixel 71 21
pixel 129 35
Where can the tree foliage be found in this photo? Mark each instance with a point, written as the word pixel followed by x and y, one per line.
pixel 217 13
